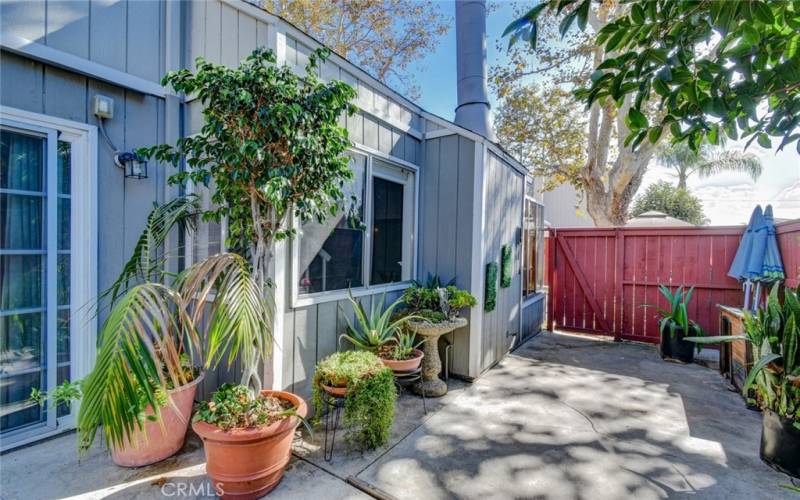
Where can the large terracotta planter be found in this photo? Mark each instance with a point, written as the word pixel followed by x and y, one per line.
pixel 155 443
pixel 248 463
pixel 405 365
pixel 431 385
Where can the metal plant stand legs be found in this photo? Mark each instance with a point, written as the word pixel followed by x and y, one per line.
pixel 403 379
pixel 334 406
pixel 431 385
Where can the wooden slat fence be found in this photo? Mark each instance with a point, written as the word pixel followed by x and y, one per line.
pixel 601 278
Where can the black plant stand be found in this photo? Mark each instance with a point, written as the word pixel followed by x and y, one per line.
pixel 334 405
pixel 409 378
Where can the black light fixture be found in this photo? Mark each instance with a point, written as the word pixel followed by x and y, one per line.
pixel 134 167
pixel 130 163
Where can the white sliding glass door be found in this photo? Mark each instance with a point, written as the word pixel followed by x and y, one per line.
pixel 36 256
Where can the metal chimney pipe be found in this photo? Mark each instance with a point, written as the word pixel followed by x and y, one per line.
pixel 473 111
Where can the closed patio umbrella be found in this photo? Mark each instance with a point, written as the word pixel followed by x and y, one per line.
pixel 748 262
pixel 772 269
pixel 757 259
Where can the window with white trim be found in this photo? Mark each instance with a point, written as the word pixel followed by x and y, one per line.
pixel 370 241
pixel 47 239
pixel 533 242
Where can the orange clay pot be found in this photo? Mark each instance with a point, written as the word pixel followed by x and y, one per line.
pixel 405 365
pixel 249 463
pixel 338 392
pixel 155 443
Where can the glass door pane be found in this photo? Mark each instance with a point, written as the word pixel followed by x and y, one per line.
pixel 23 302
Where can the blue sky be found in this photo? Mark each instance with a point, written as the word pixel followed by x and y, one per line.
pixel 727 198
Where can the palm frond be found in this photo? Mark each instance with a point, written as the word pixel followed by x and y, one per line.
pixel 145 263
pixel 137 346
pixel 731 160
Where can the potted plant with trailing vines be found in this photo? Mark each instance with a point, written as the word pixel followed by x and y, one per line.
pixel 434 310
pixel 774 334
pixel 369 392
pixel 272 147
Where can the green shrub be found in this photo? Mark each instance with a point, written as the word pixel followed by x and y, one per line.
pixel 426 300
pixel 371 394
pixel 232 407
pixel 490 301
pixel 506 263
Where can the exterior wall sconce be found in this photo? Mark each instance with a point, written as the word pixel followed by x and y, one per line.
pixel 133 166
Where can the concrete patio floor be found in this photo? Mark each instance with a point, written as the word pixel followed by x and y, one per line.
pixel 563 417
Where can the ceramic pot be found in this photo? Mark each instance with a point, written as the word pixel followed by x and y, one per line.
pixel 154 444
pixel 780 444
pixel 249 463
pixel 674 347
pixel 338 392
pixel 405 365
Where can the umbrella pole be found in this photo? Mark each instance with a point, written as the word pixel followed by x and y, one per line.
pixel 747 288
pixel 757 296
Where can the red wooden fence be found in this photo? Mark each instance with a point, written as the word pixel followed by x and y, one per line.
pixel 600 278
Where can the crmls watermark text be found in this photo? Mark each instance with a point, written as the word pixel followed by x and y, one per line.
pixel 183 490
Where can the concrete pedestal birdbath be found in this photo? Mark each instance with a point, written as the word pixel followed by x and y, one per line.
pixel 431 384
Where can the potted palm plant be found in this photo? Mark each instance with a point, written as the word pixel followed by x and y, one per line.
pixel 142 387
pixel 774 333
pixel 381 332
pixel 675 324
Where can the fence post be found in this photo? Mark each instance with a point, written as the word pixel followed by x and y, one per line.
pixel 551 285
pixel 619 237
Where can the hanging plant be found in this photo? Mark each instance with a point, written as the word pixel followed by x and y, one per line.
pixel 369 399
pixel 505 266
pixel 490 301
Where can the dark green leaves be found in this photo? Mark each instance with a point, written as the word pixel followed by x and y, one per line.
pixel 755 61
pixel 636 119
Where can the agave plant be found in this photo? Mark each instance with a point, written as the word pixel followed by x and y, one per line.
pixel 774 333
pixel 677 316
pixel 371 331
pixel 213 309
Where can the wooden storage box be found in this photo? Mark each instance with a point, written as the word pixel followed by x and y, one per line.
pixel 736 357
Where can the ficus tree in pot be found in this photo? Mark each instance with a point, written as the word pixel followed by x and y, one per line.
pixel 272 147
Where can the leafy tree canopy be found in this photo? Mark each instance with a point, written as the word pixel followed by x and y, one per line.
pixel 718 67
pixel 270 143
pixel 546 131
pixel 672 200
pixel 382 36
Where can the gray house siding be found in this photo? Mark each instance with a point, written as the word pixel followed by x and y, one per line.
pixel 533 315
pixel 446 215
pixel 503 222
pixel 124 35
pixel 138 121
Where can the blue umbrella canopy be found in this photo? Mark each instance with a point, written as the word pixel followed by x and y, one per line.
pixel 772 266
pixel 740 269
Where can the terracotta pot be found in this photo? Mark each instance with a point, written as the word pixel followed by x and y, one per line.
pixel 405 365
pixel 248 463
pixel 155 443
pixel 338 392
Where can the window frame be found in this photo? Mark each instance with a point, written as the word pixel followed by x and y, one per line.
pixel 303 300
pixel 83 256
pixel 537 257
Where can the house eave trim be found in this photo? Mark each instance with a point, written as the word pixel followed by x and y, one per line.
pixel 42 53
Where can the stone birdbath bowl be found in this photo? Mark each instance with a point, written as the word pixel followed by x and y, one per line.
pixel 431 384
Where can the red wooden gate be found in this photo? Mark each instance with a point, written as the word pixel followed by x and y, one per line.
pixel 601 278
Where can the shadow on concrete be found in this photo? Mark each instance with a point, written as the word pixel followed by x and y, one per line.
pixel 568 417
